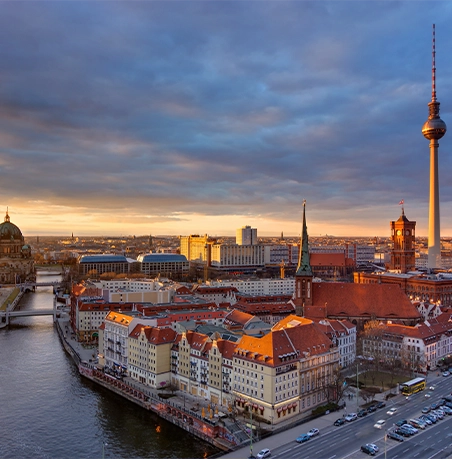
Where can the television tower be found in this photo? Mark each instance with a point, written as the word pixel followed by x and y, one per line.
pixel 433 129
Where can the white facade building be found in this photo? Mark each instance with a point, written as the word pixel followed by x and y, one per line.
pixel 230 257
pixel 259 286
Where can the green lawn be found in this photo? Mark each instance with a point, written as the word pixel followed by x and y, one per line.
pixel 385 381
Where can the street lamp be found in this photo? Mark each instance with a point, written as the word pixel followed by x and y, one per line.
pixel 357 387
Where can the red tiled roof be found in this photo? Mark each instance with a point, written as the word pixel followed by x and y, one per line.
pixel 327 259
pixel 226 348
pixel 285 344
pixel 365 300
pixel 238 317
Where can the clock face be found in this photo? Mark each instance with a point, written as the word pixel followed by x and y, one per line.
pixel 407 232
pixel 399 232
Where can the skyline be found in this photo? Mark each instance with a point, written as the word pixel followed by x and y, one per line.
pixel 132 118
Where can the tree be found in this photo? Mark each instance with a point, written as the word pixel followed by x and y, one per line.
pixel 411 358
pixel 333 385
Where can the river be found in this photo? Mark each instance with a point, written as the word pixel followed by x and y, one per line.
pixel 47 410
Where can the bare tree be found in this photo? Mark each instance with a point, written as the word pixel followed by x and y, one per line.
pixel 333 385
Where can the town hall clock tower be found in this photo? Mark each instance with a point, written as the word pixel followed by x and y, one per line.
pixel 403 247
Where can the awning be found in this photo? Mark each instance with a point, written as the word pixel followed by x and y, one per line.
pixel 279 410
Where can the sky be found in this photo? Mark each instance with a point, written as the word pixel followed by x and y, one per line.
pixel 183 117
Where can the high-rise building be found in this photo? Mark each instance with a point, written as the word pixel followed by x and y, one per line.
pixel 246 236
pixel 433 129
pixel 196 248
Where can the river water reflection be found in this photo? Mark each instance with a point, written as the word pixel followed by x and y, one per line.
pixel 47 410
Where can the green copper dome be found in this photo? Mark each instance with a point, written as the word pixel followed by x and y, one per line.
pixel 9 231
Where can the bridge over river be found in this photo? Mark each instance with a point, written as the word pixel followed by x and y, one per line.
pixel 8 311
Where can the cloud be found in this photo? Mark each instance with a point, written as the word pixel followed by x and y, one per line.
pixel 160 117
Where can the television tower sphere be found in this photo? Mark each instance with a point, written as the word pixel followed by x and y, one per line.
pixel 434 128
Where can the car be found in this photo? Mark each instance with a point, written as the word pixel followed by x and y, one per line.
pixel 417 424
pixel 381 405
pixel 428 394
pixel 432 417
pixel 434 406
pixel 403 432
pixel 379 424
pixel 446 373
pixel 362 413
pixel 395 436
pixel 339 422
pixel 431 388
pixel 439 414
pixel 373 446
pixel 263 453
pixel 313 432
pixel 351 417
pixel 426 409
pixel 303 438
pixel 446 409
pixel 401 422
pixel 367 449
pixel 371 408
pixel 410 427
pixel 391 411
pixel 426 419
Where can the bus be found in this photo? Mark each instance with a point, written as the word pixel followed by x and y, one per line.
pixel 413 386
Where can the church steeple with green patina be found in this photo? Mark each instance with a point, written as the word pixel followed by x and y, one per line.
pixel 303 276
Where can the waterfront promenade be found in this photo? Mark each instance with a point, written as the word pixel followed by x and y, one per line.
pixel 187 412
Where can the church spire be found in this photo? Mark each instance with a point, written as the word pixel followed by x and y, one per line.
pixel 303 277
pixel 304 266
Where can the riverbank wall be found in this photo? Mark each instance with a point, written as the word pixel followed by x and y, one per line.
pixel 213 431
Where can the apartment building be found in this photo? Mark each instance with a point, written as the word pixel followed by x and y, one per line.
pixel 149 360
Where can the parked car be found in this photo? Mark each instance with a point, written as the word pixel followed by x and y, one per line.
pixel 417 424
pixel 362 413
pixel 427 420
pixel 368 450
pixel 410 427
pixel 351 417
pixel 263 453
pixel 373 446
pixel 395 436
pixel 403 432
pixel 379 424
pixel 391 411
pixel 302 438
pixel 381 404
pixel 371 408
pixel 446 373
pixel 401 422
pixel 313 432
pixel 339 422
pixel 426 409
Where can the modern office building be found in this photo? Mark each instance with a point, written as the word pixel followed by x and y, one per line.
pixel 246 236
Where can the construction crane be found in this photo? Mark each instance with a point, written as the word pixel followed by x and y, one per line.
pixel 282 266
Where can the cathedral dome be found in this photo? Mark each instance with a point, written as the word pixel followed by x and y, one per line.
pixel 9 231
